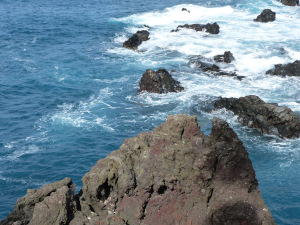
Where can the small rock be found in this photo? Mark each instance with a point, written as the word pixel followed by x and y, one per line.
pixel 290 2
pixel 209 28
pixel 227 57
pixel 136 39
pixel 268 117
pixel 267 15
pixel 184 9
pixel 290 69
pixel 159 81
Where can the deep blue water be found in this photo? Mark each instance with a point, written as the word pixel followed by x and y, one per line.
pixel 68 90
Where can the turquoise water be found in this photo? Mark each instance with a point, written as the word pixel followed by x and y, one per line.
pixel 68 90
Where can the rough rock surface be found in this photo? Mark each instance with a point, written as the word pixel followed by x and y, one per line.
pixel 51 204
pixel 268 117
pixel 290 69
pixel 267 15
pixel 227 57
pixel 209 28
pixel 159 81
pixel 136 39
pixel 172 175
pixel 290 2
pixel 205 66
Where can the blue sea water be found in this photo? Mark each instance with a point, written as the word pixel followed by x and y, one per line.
pixel 68 90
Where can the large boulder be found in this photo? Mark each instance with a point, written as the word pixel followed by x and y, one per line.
pixel 51 204
pixel 268 117
pixel 136 39
pixel 177 175
pixel 209 28
pixel 290 69
pixel 159 81
pixel 227 57
pixel 267 15
pixel 290 2
pixel 172 175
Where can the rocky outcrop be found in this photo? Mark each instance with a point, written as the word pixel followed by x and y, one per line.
pixel 51 204
pixel 227 57
pixel 267 15
pixel 268 117
pixel 136 39
pixel 159 81
pixel 209 28
pixel 290 2
pixel 172 175
pixel 206 66
pixel 290 69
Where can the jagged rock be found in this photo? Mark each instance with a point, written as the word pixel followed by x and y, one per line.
pixel 268 117
pixel 159 81
pixel 136 39
pixel 177 175
pixel 184 9
pixel 227 57
pixel 290 2
pixel 203 64
pixel 172 175
pixel 51 204
pixel 290 69
pixel 267 15
pixel 209 28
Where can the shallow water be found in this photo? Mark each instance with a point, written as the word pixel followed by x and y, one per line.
pixel 69 90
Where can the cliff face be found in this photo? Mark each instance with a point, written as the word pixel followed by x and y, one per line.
pixel 172 175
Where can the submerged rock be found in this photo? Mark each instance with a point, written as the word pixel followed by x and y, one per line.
pixel 200 62
pixel 268 117
pixel 51 204
pixel 290 2
pixel 267 15
pixel 290 69
pixel 184 9
pixel 159 81
pixel 136 39
pixel 227 57
pixel 209 28
pixel 172 175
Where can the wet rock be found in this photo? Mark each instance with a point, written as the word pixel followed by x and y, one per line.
pixel 159 81
pixel 269 118
pixel 184 9
pixel 267 15
pixel 209 28
pixel 177 175
pixel 51 204
pixel 290 69
pixel 206 66
pixel 227 57
pixel 136 39
pixel 290 2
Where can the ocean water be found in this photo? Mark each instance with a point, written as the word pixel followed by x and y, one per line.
pixel 68 90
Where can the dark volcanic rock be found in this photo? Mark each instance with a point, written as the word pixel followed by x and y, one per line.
pixel 51 204
pixel 159 81
pixel 267 15
pixel 227 57
pixel 184 9
pixel 268 117
pixel 177 175
pixel 172 175
pixel 290 69
pixel 290 2
pixel 198 62
pixel 136 39
pixel 210 28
